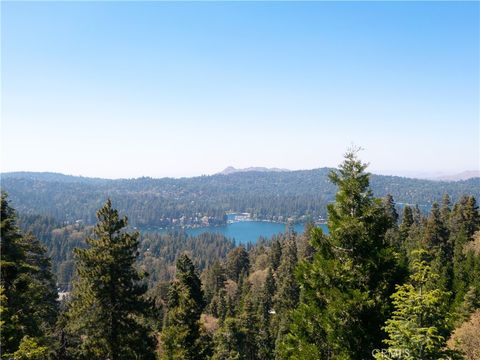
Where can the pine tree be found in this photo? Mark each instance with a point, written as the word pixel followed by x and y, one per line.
pixel 30 349
pixel 237 263
pixel 287 290
pixel 406 223
pixel 249 329
pixel 213 280
pixel 445 210
pixel 470 302
pixel 345 288
pixel 390 211
pixel 188 278
pixel 286 297
pixel 436 234
pixel 28 301
pixel 465 216
pixel 181 334
pixel 228 341
pixel 464 221
pixel 107 302
pixel 417 215
pixel 243 288
pixel 436 241
pixel 266 344
pixel 418 325
pixel 305 249
pixel 275 254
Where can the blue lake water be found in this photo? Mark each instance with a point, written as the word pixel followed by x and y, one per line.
pixel 248 231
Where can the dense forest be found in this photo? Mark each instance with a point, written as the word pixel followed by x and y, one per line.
pixel 279 196
pixel 157 252
pixel 379 285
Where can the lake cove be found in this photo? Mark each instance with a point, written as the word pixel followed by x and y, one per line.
pixel 246 231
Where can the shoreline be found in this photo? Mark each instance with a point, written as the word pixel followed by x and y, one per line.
pixel 229 222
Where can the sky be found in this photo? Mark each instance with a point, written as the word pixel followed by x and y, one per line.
pixel 130 89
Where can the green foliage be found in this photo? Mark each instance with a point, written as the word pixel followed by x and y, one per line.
pixel 418 325
pixel 181 334
pixel 464 221
pixel 275 254
pixel 28 298
pixel 228 341
pixel 239 338
pixel 165 202
pixel 266 344
pixel 346 285
pixel 237 263
pixel 213 280
pixel 436 240
pixel 157 251
pixel 29 349
pixel 305 248
pixel 249 327
pixel 286 296
pixel 330 299
pixel 107 304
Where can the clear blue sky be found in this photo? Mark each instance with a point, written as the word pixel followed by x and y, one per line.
pixel 120 89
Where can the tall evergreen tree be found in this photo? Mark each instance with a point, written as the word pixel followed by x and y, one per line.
pixel 345 289
pixel 28 301
pixel 436 241
pixel 228 341
pixel 305 248
pixel 436 235
pixel 464 221
pixel 237 263
pixel 445 209
pixel 419 322
pixel 286 297
pixel 275 254
pixel 465 216
pixel 107 302
pixel 287 290
pixel 390 210
pixel 406 223
pixel 249 327
pixel 188 278
pixel 181 333
pixel 213 280
pixel 266 344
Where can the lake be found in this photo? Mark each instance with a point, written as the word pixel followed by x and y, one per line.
pixel 248 231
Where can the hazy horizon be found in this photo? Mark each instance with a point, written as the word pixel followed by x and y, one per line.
pixel 406 173
pixel 123 90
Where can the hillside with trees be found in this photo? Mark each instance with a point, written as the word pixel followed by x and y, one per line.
pixel 167 202
pixel 381 284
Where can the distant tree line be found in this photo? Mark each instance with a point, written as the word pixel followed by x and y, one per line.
pixel 279 196
pixel 379 285
pixel 157 252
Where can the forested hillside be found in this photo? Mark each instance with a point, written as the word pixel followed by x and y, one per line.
pixel 380 285
pixel 157 252
pixel 297 195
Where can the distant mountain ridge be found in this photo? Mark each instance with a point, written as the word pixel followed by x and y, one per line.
pixel 268 195
pixel 51 176
pixel 63 178
pixel 231 170
pixel 465 175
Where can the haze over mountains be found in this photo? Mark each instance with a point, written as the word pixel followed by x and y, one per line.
pixel 439 176
pixel 231 170
pixel 435 176
pixel 465 175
